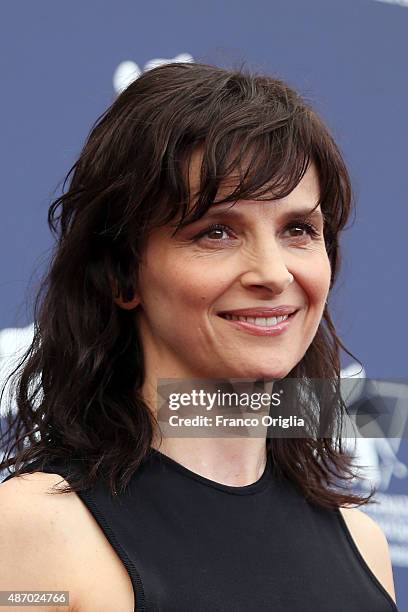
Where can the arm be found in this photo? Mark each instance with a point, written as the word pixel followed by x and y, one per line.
pixel 372 545
pixel 35 548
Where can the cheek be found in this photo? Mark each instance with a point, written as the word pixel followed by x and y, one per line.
pixel 198 292
pixel 316 281
pixel 180 285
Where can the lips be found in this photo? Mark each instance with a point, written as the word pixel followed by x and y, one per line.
pixel 257 329
pixel 276 311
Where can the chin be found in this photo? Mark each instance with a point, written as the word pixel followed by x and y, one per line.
pixel 263 373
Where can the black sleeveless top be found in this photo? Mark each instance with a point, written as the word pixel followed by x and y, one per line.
pixel 191 544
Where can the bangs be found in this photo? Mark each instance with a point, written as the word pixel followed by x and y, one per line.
pixel 264 163
pixel 231 171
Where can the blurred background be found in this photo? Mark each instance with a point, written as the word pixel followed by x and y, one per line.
pixel 62 64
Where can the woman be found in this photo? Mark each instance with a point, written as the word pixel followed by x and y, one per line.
pixel 201 195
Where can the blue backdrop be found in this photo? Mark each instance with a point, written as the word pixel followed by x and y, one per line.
pixel 62 64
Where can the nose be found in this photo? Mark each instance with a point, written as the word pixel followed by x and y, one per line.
pixel 266 267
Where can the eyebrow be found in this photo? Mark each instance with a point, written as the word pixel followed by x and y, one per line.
pixel 311 213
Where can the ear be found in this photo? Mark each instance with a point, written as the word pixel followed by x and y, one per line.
pixel 127 305
pixel 118 298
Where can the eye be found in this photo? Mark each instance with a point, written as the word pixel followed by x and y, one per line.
pixel 214 227
pixel 310 229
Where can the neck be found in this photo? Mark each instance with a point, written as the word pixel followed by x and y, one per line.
pixel 236 459
pixel 234 462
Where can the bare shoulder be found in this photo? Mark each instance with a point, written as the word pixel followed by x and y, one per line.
pixel 52 542
pixel 35 543
pixel 372 545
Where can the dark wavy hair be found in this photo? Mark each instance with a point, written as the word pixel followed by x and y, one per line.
pixel 78 386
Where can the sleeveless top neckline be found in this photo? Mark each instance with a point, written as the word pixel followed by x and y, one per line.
pixel 255 487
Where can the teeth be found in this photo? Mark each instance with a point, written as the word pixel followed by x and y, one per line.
pixel 261 321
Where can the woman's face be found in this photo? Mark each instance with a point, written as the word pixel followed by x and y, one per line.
pixel 185 281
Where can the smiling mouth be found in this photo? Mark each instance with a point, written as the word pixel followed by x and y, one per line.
pixel 260 326
pixel 262 322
